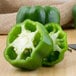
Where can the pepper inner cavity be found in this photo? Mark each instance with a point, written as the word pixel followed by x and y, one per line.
pixel 14 34
pixel 11 53
pixel 36 39
pixel 53 56
pixel 26 53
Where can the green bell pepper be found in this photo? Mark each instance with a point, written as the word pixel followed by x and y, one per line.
pixel 41 14
pixel 74 15
pixel 27 44
pixel 60 45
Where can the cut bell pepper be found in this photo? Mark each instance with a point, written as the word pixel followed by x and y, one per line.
pixel 60 45
pixel 27 44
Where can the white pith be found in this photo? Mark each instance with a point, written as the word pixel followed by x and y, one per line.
pixel 23 41
pixel 54 38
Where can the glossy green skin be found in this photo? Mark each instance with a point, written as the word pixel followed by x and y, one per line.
pixel 74 15
pixel 34 59
pixel 35 13
pixel 52 15
pixel 41 14
pixel 56 55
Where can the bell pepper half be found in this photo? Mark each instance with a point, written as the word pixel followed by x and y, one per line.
pixel 27 44
pixel 60 45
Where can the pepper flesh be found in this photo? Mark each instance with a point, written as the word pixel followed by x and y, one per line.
pixel 27 44
pixel 60 45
